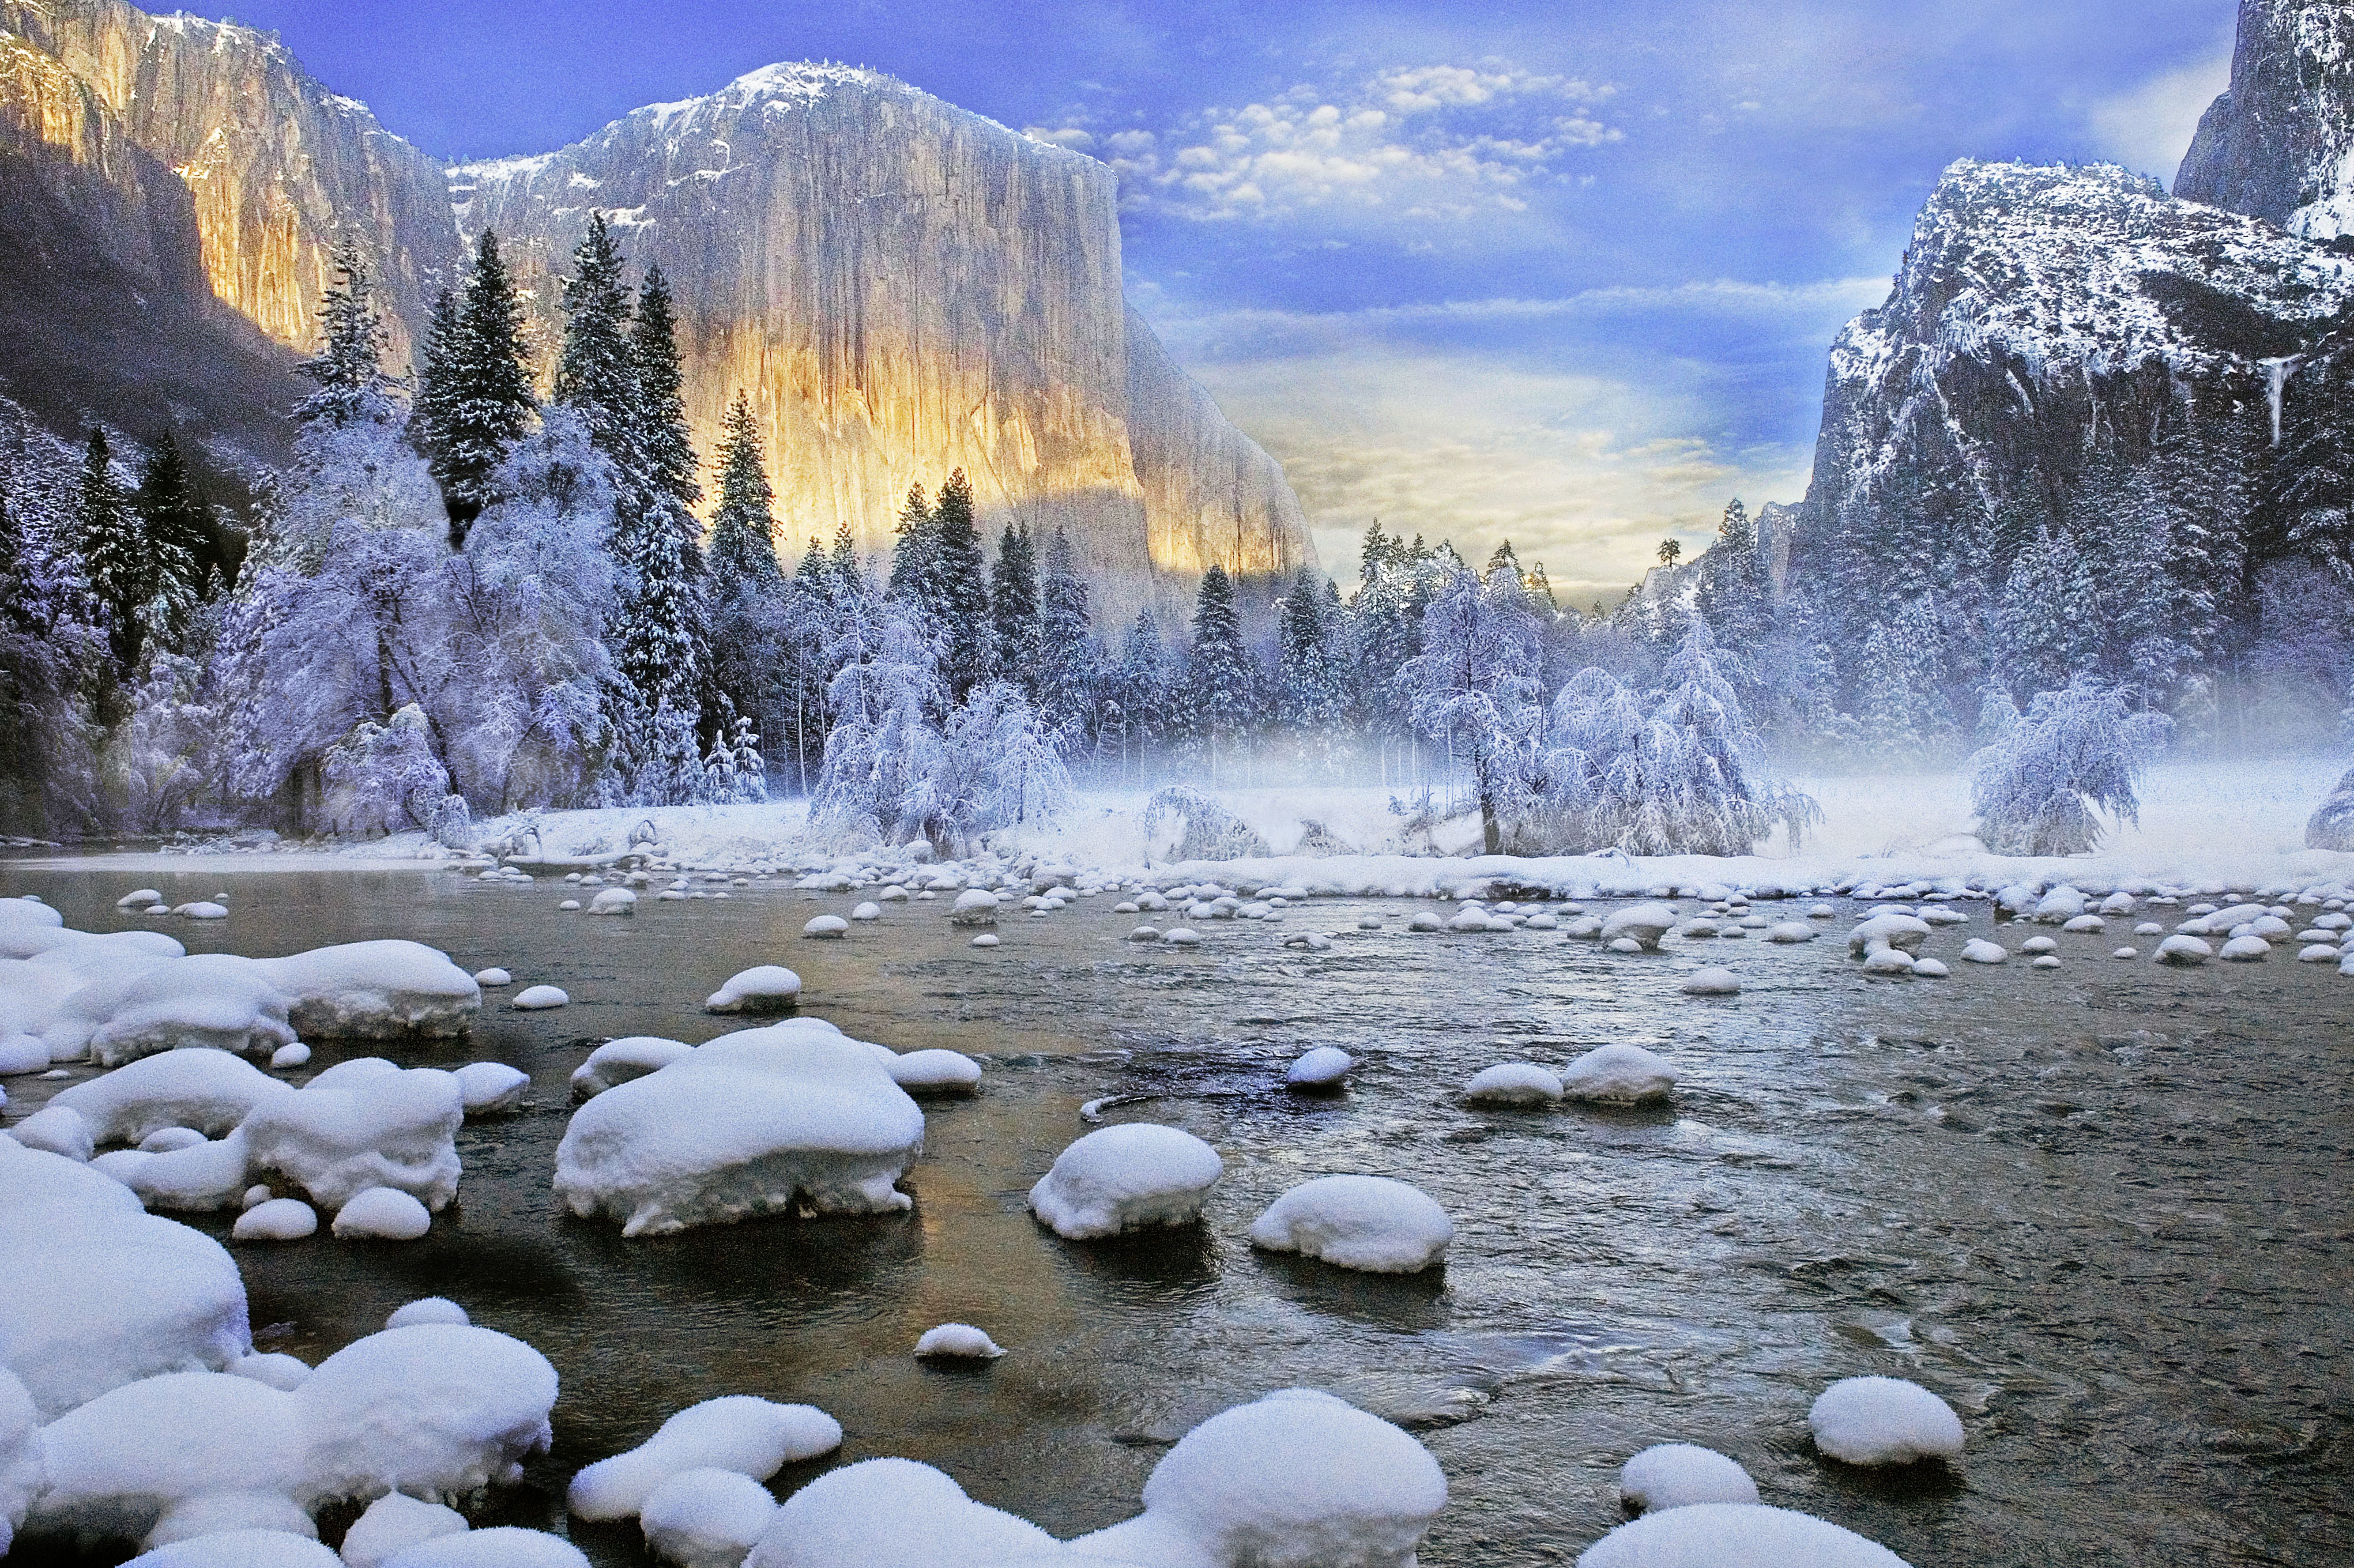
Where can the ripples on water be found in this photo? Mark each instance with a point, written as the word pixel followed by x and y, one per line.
pixel 2103 1212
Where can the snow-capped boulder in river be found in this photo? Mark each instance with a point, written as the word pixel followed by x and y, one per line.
pixel 935 1072
pixel 207 1000
pixel 740 1432
pixel 1368 1222
pixel 957 1342
pixel 1644 924
pixel 764 987
pixel 208 1091
pixel 1512 1084
pixel 1322 1068
pixel 1619 1074
pixel 974 907
pixel 1883 1421
pixel 1678 1474
pixel 753 1123
pixel 376 990
pixel 1884 933
pixel 619 1061
pixel 360 1124
pixel 1125 1177
pixel 707 1518
pixel 2184 951
pixel 894 1513
pixel 1734 1536
pixel 1296 1477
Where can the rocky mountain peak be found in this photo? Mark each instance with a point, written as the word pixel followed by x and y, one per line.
pixel 2279 144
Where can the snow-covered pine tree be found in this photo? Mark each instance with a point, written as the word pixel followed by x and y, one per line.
pixel 665 447
pixel 1068 655
pixel 1013 636
pixel 743 533
pixel 882 746
pixel 1734 596
pixel 1135 701
pixel 1474 686
pixel 116 558
pixel 1218 692
pixel 39 719
pixel 962 600
pixel 488 402
pixel 595 376
pixel 2038 783
pixel 178 530
pixel 1901 700
pixel 2048 624
pixel 1310 695
pixel 914 552
pixel 841 562
pixel 436 395
pixel 349 366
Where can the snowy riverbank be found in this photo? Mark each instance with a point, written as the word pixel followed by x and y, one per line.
pixel 2205 826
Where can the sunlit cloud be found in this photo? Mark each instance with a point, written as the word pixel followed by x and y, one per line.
pixel 2149 128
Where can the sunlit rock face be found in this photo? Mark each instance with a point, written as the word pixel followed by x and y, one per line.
pixel 905 289
pixel 2279 144
pixel 272 168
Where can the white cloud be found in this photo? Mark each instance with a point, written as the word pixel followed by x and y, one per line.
pixel 1433 142
pixel 2149 128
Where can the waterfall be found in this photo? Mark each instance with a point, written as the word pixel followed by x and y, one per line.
pixel 2277 372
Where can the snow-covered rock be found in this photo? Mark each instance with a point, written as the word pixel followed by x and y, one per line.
pixel 619 1061
pixel 503 1546
pixel 199 1178
pixel 893 1513
pixel 935 1072
pixel 426 1309
pixel 382 1213
pixel 286 1058
pixel 1903 933
pixel 56 1129
pixel 1318 1068
pixel 1181 936
pixel 376 990
pixel 957 1342
pixel 826 927
pixel 1619 1073
pixel 1883 1421
pixel 492 979
pixel 1369 1222
pixel 97 1293
pixel 2184 951
pixel 1644 924
pixel 1295 1478
pixel 204 1089
pixel 1713 982
pixel 540 997
pixel 1979 950
pixel 757 1122
pixel 491 1089
pixel 974 907
pixel 363 1123
pixel 2249 949
pixel 393 1523
pixel 1678 1474
pixel 278 1219
pixel 1888 961
pixel 1512 1084
pixel 202 909
pixel 1791 931
pixel 207 1000
pixel 1128 1177
pixel 764 987
pixel 613 901
pixel 707 1518
pixel 1734 1536
pixel 866 912
pixel 430 1409
pixel 241 1549
pixel 738 1433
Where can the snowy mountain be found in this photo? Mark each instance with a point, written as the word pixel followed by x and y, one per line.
pixel 907 289
pixel 173 191
pixel 2279 144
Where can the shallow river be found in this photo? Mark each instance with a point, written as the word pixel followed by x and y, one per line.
pixel 2102 1210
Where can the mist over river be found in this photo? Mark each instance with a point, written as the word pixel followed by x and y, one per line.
pixel 2102 1210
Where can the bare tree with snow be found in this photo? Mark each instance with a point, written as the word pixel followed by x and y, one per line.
pixel 2039 783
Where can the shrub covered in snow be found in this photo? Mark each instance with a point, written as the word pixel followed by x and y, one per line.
pixel 2332 823
pixel 1204 829
pixel 2037 784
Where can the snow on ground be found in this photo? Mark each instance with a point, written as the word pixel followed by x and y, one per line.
pixel 2237 824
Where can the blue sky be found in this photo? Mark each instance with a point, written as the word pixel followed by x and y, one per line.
pixel 1563 273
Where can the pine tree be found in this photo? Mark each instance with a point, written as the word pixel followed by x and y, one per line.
pixel 178 530
pixel 1067 654
pixel 1013 612
pixel 437 377
pixel 963 594
pixel 1308 683
pixel 841 564
pixel 349 366
pixel 1137 698
pixel 666 451
pixel 116 558
pixel 915 553
pixel 812 575
pixel 1475 686
pixel 1220 696
pixel 743 540
pixel 1733 595
pixel 488 402
pixel 595 376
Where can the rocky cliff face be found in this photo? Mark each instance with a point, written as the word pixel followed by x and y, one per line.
pixel 2066 350
pixel 2279 144
pixel 904 288
pixel 171 194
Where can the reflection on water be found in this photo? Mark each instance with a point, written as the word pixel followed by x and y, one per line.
pixel 2103 1212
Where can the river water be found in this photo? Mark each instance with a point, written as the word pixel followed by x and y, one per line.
pixel 2102 1210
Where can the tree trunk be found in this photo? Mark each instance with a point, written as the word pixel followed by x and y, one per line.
pixel 1491 833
